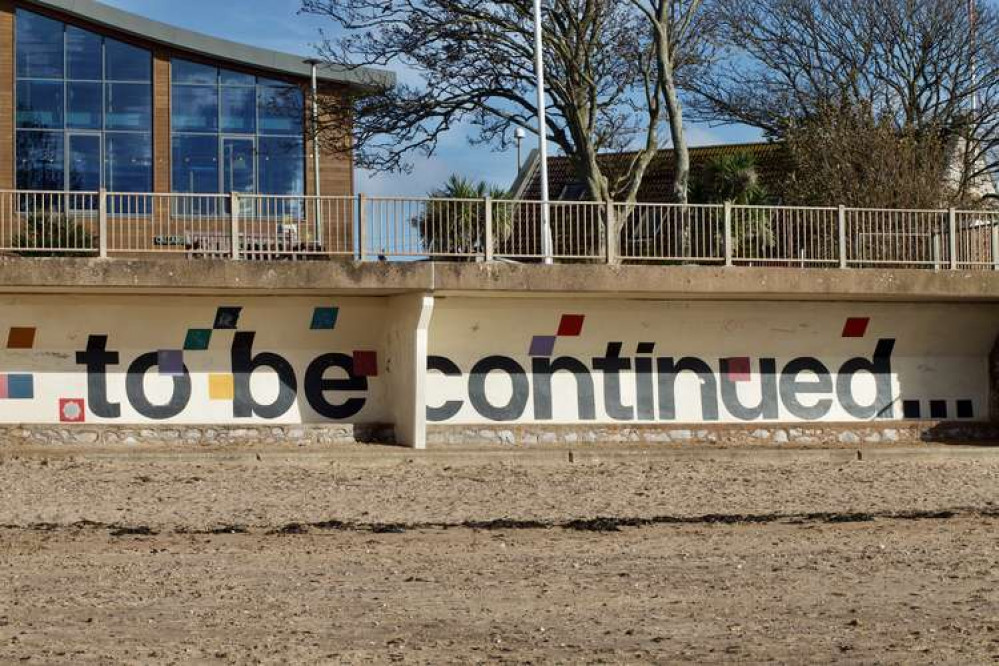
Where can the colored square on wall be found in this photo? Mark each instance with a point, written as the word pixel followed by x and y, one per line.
pixel 198 339
pixel 221 387
pixel 965 409
pixel 738 369
pixel 21 338
pixel 227 318
pixel 938 409
pixel 171 362
pixel 571 326
pixel 856 327
pixel 72 410
pixel 324 319
pixel 3 387
pixel 912 409
pixel 365 364
pixel 20 387
pixel 542 345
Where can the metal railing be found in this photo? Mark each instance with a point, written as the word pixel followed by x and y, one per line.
pixel 266 227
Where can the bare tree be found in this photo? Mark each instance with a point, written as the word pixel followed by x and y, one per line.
pixel 678 37
pixel 471 64
pixel 913 63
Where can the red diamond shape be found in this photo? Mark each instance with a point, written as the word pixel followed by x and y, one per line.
pixel 739 369
pixel 571 326
pixel 72 410
pixel 856 327
pixel 365 364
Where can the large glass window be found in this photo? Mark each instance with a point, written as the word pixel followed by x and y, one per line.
pixel 235 132
pixel 39 46
pixel 83 109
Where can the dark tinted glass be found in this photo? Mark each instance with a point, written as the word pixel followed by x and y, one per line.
pixel 124 62
pixel 84 153
pixel 39 160
pixel 84 58
pixel 40 104
pixel 230 78
pixel 129 162
pixel 280 111
pixel 239 110
pixel 281 165
pixel 129 106
pixel 196 164
pixel 39 46
pixel 195 108
pixel 185 71
pixel 84 107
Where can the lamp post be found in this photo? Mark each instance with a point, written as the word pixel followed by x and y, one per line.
pixel 539 65
pixel 519 134
pixel 314 129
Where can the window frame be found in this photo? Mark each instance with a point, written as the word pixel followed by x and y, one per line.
pixel 104 82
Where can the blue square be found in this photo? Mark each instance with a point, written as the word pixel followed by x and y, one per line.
pixel 171 362
pixel 324 319
pixel 198 339
pixel 21 387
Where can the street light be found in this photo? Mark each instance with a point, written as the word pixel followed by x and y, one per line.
pixel 539 65
pixel 519 134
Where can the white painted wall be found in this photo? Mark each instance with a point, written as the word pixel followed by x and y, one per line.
pixel 940 352
pixel 136 325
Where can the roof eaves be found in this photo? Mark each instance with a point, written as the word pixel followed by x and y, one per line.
pixel 222 49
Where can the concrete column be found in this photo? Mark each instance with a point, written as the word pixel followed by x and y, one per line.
pixel 406 346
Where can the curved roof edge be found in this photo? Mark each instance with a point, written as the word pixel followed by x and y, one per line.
pixel 222 49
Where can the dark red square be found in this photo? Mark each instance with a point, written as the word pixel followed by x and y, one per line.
pixel 571 326
pixel 739 369
pixel 856 327
pixel 365 364
pixel 72 410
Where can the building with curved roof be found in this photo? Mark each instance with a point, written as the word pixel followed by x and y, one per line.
pixel 100 98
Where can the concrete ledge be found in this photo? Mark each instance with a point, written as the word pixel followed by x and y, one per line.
pixel 179 276
pixel 735 435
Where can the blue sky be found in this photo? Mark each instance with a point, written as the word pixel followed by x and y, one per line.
pixel 275 24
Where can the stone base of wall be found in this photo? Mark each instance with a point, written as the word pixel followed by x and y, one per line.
pixel 290 435
pixel 818 435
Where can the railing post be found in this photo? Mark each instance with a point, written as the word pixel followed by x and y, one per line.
pixel 727 240
pixel 102 223
pixel 952 241
pixel 610 234
pixel 490 247
pixel 234 223
pixel 995 245
pixel 841 231
pixel 362 226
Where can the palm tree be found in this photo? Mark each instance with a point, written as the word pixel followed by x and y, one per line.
pixel 453 224
pixel 733 179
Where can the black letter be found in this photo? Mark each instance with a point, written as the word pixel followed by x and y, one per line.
pixel 243 365
pixel 316 386
pixel 880 367
pixel 514 409
pixel 791 387
pixel 611 365
pixel 450 408
pixel 669 371
pixel 136 390
pixel 544 368
pixel 767 407
pixel 97 360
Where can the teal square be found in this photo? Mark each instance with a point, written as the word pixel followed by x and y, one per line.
pixel 198 339
pixel 21 387
pixel 324 319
